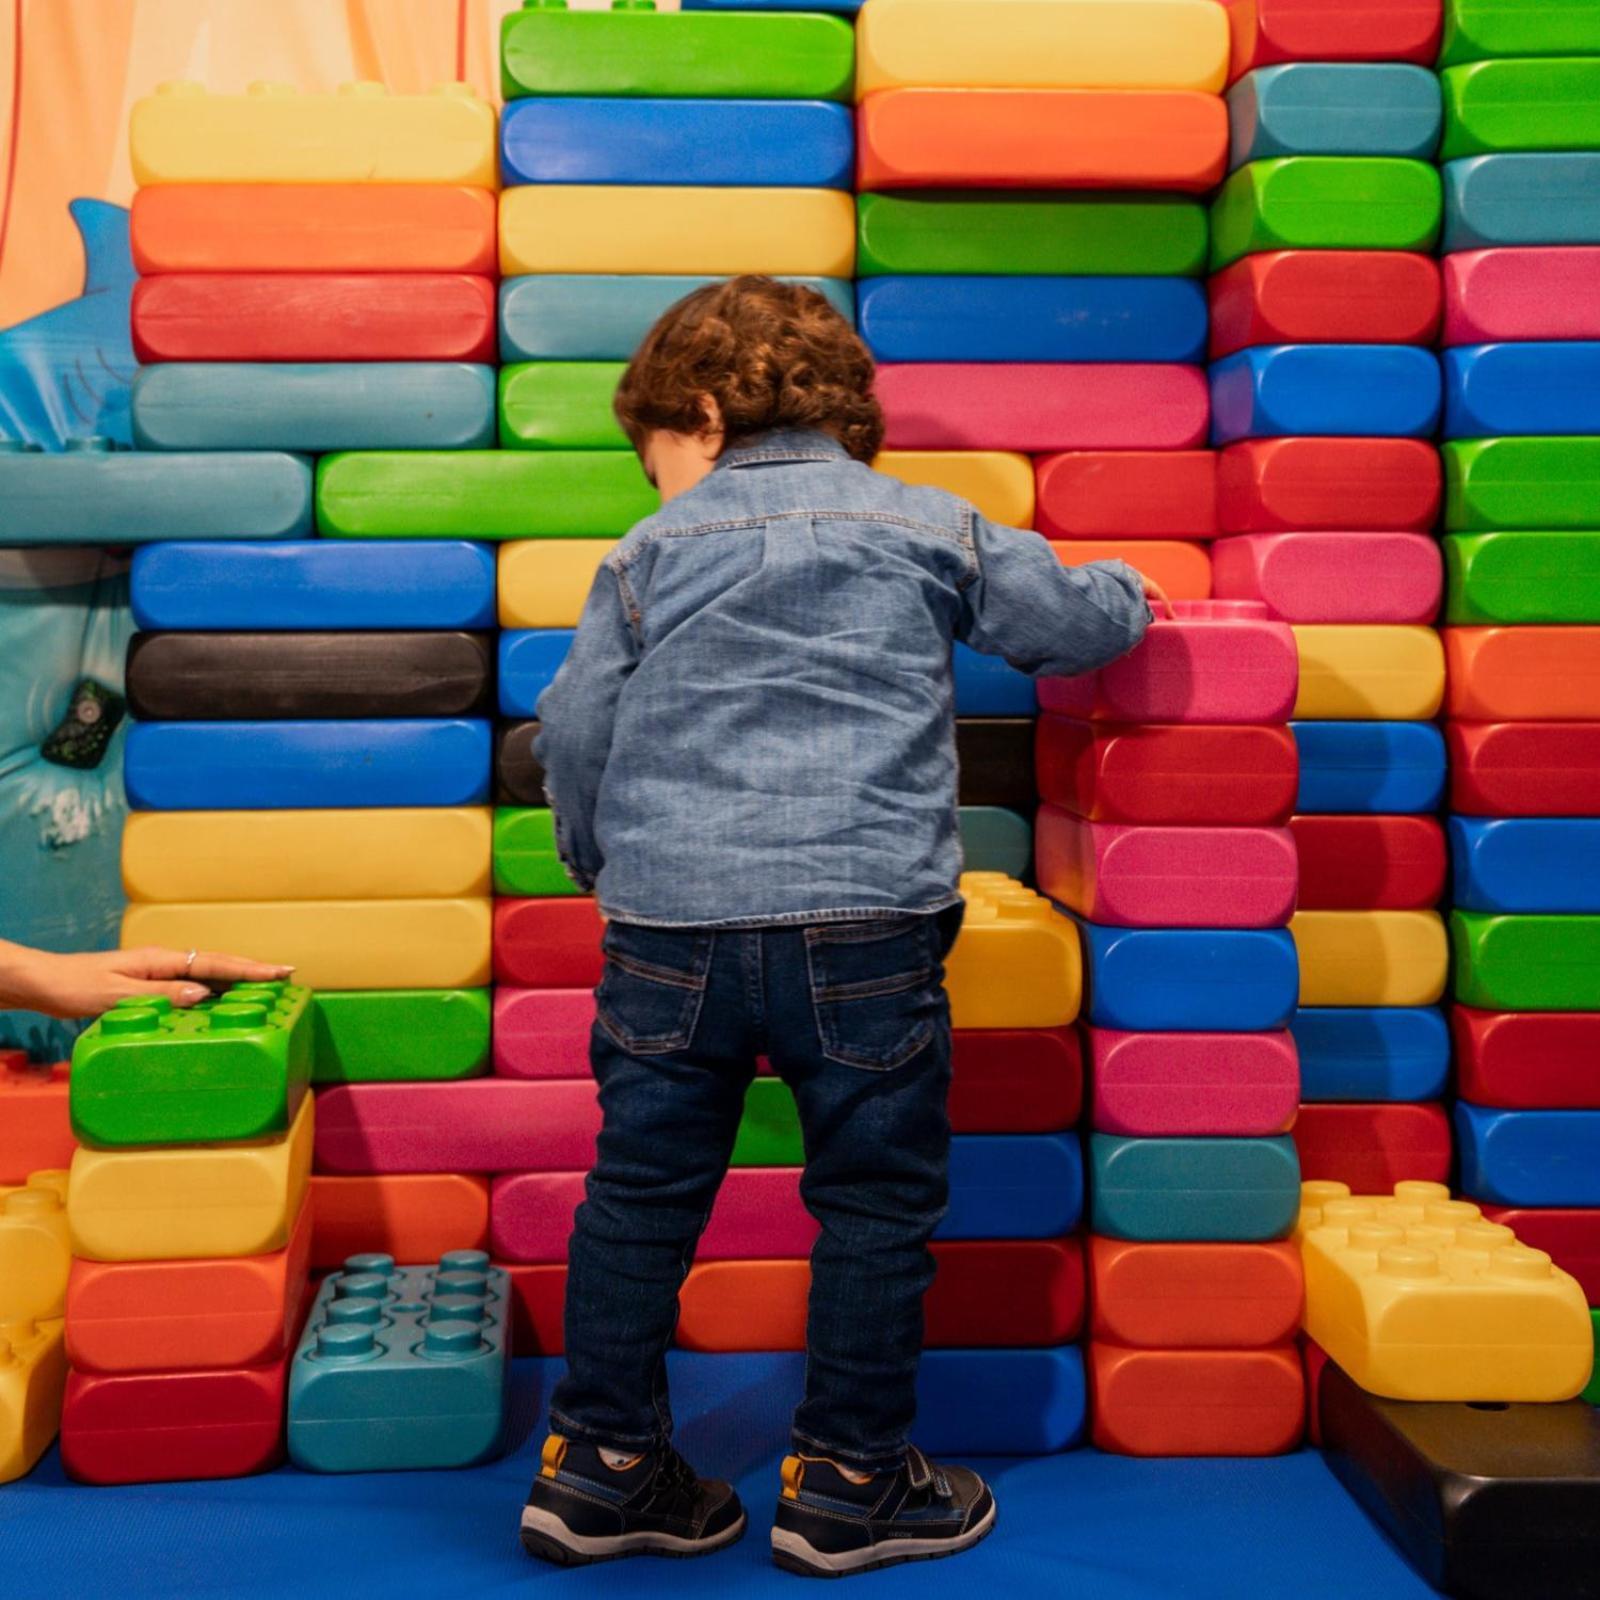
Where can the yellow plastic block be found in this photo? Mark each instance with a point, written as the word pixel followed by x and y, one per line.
pixel 274 134
pixel 1041 44
pixel 335 944
pixel 1016 963
pixel 1384 674
pixel 376 853
pixel 1421 1297
pixel 33 1378
pixel 35 1249
pixel 1370 958
pixel 997 482
pixel 566 227
pixel 190 1202
pixel 543 583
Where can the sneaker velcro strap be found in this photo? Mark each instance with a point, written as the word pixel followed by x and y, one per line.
pixel 918 1467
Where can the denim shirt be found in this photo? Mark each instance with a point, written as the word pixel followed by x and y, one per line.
pixel 756 721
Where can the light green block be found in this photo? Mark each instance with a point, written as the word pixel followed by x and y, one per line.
pixel 561 405
pixel 1477 30
pixel 996 840
pixel 399 1035
pixel 1522 577
pixel 1519 483
pixel 1492 107
pixel 769 1132
pixel 1526 963
pixel 525 858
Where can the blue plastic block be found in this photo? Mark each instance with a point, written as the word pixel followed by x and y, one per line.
pixel 1533 864
pixel 1384 767
pixel 264 766
pixel 1345 390
pixel 402 1368
pixel 1001 1402
pixel 1542 387
pixel 296 584
pixel 1366 1053
pixel 89 494
pixel 1529 1158
pixel 1190 980
pixel 996 840
pixel 1551 198
pixel 1193 1189
pixel 1316 108
pixel 986 686
pixel 595 317
pixel 763 143
pixel 1032 319
pixel 529 659
pixel 1013 1186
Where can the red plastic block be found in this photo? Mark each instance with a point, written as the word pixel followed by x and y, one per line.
pixel 1016 1080
pixel 1524 769
pixel 1182 568
pixel 1527 1060
pixel 1196 1402
pixel 1315 1359
pixel 538 1304
pixel 548 943
pixel 325 316
pixel 1194 1296
pixel 412 1216
pixel 1153 877
pixel 1269 31
pixel 1355 485
pixel 1544 674
pixel 1570 1234
pixel 1369 863
pixel 1178 1085
pixel 1126 494
pixel 1373 1147
pixel 1175 773
pixel 1332 577
pixel 1549 293
pixel 542 1033
pixel 1009 405
pixel 35 1130
pixel 1325 297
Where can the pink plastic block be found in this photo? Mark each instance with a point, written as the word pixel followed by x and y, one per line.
pixel 1547 293
pixel 542 1033
pixel 1155 877
pixel 480 1125
pixel 949 405
pixel 1219 661
pixel 1178 1085
pixel 1332 577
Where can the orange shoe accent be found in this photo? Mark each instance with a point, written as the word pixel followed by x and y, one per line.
pixel 793 1473
pixel 551 1457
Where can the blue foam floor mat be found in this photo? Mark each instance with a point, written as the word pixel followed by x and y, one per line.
pixel 1086 1524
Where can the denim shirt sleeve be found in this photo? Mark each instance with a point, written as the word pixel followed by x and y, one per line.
pixel 577 715
pixel 1044 618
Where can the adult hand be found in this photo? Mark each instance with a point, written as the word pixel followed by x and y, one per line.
pixel 85 985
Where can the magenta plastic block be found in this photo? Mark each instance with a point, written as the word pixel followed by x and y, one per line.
pixel 1042 406
pixel 1154 877
pixel 1514 293
pixel 542 1033
pixel 1332 577
pixel 1204 1085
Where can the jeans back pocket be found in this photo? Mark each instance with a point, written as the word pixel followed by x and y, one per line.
pixel 875 990
pixel 653 986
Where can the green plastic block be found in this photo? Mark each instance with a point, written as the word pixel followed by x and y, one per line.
pixel 769 1134
pixel 1495 106
pixel 1526 963
pixel 1523 577
pixel 561 405
pixel 525 858
pixel 1130 235
pixel 637 50
pixel 482 494
pixel 1592 1392
pixel 1476 30
pixel 233 1068
pixel 1326 203
pixel 1521 483
pixel 399 1035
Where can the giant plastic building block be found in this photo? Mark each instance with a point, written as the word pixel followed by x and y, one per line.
pixel 35 1128
pixel 560 405
pixel 547 943
pixel 1536 198
pixel 1230 1085
pixel 1381 863
pixel 1331 577
pixel 526 861
pixel 1521 483
pixel 1014 1186
pixel 1538 673
pixel 543 583
pixel 998 482
pixel 995 840
pixel 1323 108
pixel 1337 390
pixel 1016 1080
pixel 1000 234
pixel 1547 577
pixel 542 1033
pixel 1267 31
pixel 1373 1145
pixel 995 755
pixel 35 1249
pixel 1570 1234
pixel 1278 485
pixel 663 228
pixel 1391 673
pixel 1525 769
pixel 1520 105
pixel 420 1215
pixel 1369 766
pixel 336 405
pixel 1368 1053
pixel 336 944
pixel 32 1378
pixel 1127 494
pixel 482 494
pixel 529 661
pixel 1418 1297
pixel 1475 30
pixel 998 1401
pixel 1513 293
pixel 1525 863
pixel 770 143
pixel 518 776
pixel 769 1131
pixel 1016 962
pixel 398 1034
pixel 1192 1189
pixel 1526 963
pixel 1540 387
pixel 538 1309
pixel 401 1368
pixel 1529 1158
pixel 1370 958
pixel 1527 1060
pixel 921 317
pixel 1173 139
pixel 190 1201
pixel 1181 567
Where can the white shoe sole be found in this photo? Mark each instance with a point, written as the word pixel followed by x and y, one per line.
pixel 545 1534
pixel 801 1554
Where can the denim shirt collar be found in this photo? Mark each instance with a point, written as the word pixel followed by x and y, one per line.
pixel 783 444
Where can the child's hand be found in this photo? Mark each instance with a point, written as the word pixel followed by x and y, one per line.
pixel 1156 596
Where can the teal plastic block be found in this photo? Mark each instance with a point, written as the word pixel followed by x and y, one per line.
pixel 402 1368
pixel 1186 1190
pixel 1319 108
pixel 996 840
pixel 1540 198
pixel 399 1035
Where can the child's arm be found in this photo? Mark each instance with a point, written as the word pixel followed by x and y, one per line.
pixel 577 714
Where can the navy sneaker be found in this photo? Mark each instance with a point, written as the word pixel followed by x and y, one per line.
pixel 829 1527
pixel 580 1510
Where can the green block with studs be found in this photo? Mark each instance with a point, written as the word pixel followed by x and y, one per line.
pixel 1517 483
pixel 399 1035
pixel 769 1132
pixel 560 405
pixel 525 858
pixel 1526 963
pixel 1492 107
pixel 1522 577
pixel 1479 30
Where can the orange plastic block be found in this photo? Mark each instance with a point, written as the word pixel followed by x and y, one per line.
pixel 412 1216
pixel 1514 674
pixel 1269 31
pixel 35 1249
pixel 1182 568
pixel 35 1129
pixel 1041 139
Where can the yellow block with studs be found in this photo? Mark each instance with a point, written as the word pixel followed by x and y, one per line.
pixel 998 482
pixel 1016 962
pixel 543 583
pixel 1371 958
pixel 33 1379
pixel 35 1249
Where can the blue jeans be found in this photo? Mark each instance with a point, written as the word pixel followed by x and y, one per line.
pixel 854 1017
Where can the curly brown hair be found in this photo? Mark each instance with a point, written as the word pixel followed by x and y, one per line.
pixel 771 354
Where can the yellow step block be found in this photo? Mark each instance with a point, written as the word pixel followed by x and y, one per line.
pixel 275 134
pixel 1379 673
pixel 35 1249
pixel 1370 958
pixel 1042 44
pixel 997 482
pixel 1420 1297
pixel 567 227
pixel 1017 961
pixel 380 852
pixel 33 1379
pixel 334 944
pixel 543 583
